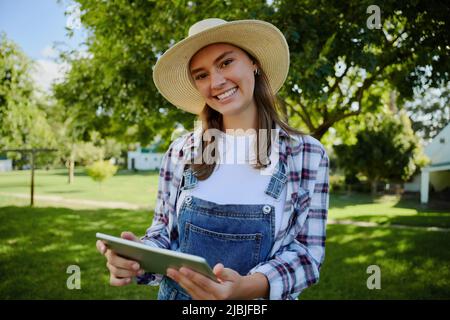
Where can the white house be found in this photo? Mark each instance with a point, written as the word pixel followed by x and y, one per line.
pixel 5 164
pixel 144 159
pixel 437 173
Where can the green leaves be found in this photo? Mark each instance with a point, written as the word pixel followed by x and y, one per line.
pixel 23 122
pixel 126 37
pixel 386 149
pixel 321 34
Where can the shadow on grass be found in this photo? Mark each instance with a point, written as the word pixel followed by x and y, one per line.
pixel 405 201
pixel 440 220
pixel 137 173
pixel 340 200
pixel 66 191
pixel 413 202
pixel 82 173
pixel 9 185
pixel 77 173
pixel 38 244
pixel 414 264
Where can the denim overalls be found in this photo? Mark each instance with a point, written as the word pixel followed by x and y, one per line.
pixel 237 235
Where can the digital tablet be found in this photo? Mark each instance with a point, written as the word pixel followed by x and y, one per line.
pixel 156 260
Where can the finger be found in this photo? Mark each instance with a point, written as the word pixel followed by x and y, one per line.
pixel 101 247
pixel 123 273
pixel 129 236
pixel 200 280
pixel 117 282
pixel 218 268
pixel 225 274
pixel 192 289
pixel 121 262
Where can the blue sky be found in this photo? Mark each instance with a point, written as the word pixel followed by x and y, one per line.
pixel 38 26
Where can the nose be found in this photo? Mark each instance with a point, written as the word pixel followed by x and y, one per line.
pixel 217 80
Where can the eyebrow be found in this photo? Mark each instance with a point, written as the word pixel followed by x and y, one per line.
pixel 215 61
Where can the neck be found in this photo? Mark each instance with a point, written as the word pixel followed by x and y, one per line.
pixel 246 119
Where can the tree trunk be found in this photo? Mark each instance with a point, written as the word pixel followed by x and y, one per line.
pixel 349 190
pixel 373 187
pixel 71 167
pixel 398 189
pixel 320 131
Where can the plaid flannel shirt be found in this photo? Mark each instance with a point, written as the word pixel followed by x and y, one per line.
pixel 299 247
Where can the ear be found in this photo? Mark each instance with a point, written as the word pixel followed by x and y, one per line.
pixel 255 66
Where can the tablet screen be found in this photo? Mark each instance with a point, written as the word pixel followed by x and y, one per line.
pixel 156 260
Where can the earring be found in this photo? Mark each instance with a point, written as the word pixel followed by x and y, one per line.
pixel 256 72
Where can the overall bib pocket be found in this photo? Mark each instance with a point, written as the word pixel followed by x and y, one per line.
pixel 240 252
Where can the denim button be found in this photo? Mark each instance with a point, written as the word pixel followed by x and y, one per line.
pixel 188 199
pixel 267 209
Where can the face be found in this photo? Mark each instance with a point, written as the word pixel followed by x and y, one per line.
pixel 224 76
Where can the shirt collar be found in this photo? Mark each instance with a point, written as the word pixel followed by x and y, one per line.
pixel 195 137
pixel 284 134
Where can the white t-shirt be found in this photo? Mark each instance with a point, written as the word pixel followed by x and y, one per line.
pixel 235 181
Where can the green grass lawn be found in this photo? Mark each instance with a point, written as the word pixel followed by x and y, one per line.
pixel 38 244
pixel 136 188
pixel 141 188
pixel 413 264
pixel 387 210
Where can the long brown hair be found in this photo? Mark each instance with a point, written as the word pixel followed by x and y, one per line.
pixel 268 113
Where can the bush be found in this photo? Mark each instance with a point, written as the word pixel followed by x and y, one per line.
pixel 336 183
pixel 101 170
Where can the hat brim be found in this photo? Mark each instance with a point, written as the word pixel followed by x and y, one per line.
pixel 259 38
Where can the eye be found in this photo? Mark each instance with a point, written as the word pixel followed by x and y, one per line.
pixel 227 62
pixel 200 76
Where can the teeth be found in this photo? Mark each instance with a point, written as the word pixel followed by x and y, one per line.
pixel 227 94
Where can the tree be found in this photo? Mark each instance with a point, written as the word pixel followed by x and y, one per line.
pixel 110 88
pixel 386 149
pixel 335 58
pixel 23 120
pixel 73 150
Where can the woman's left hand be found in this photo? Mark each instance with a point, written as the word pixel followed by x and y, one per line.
pixel 200 287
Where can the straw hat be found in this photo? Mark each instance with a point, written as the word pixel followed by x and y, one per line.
pixel 259 38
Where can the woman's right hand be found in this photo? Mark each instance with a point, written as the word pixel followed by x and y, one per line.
pixel 121 270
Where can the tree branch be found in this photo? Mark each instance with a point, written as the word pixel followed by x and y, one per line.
pixel 304 117
pixel 392 42
pixel 307 116
pixel 322 129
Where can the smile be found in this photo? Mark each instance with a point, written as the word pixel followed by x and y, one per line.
pixel 226 94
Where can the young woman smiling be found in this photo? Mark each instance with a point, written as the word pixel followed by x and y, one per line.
pixel 244 190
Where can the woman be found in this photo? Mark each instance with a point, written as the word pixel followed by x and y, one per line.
pixel 253 202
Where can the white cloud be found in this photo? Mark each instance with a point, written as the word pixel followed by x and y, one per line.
pixel 49 52
pixel 46 72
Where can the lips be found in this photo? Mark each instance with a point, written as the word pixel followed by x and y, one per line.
pixel 225 95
